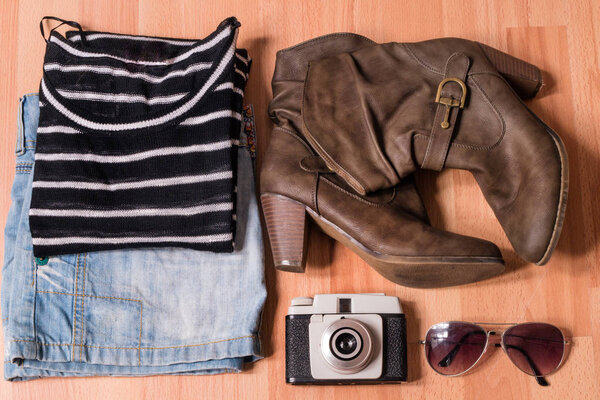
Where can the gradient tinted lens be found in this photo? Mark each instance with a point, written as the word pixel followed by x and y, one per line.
pixel 537 349
pixel 452 348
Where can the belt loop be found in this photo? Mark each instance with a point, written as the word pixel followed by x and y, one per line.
pixel 72 24
pixel 20 145
pixel 451 97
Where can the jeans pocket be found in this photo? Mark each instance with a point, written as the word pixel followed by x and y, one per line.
pixel 89 326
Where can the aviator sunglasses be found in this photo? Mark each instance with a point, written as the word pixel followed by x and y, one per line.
pixel 453 348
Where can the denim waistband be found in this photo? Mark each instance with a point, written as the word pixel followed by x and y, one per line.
pixel 128 312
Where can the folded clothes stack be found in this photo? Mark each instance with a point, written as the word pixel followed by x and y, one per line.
pixel 133 243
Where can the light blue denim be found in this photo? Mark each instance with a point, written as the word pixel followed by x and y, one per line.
pixel 128 312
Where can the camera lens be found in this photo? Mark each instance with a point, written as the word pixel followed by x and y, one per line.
pixel 346 343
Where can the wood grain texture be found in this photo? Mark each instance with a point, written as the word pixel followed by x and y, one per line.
pixel 561 37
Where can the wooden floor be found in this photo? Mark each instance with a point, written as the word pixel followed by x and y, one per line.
pixel 562 38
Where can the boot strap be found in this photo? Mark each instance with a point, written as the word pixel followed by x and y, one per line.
pixel 451 97
pixel 315 164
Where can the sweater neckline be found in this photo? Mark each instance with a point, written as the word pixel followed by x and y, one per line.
pixel 224 36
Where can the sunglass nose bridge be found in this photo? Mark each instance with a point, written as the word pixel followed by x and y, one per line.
pixel 496 342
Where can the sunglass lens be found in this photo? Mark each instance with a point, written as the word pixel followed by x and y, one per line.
pixel 452 348
pixel 536 348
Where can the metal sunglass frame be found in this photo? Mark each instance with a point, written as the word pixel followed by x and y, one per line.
pixel 539 378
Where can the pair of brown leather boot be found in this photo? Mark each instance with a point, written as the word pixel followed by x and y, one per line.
pixel 353 120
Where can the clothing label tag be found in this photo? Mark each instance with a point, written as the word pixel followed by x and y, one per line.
pixel 249 129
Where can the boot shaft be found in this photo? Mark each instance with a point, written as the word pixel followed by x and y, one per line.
pixel 377 114
pixel 379 100
pixel 291 67
pixel 282 171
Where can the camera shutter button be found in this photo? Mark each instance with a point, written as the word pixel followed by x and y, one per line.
pixel 302 301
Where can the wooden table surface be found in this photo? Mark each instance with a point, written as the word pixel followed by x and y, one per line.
pixel 562 38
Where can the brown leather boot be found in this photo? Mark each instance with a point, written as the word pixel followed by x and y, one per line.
pixel 389 228
pixel 376 114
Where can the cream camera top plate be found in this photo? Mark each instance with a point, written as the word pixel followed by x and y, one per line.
pixel 363 303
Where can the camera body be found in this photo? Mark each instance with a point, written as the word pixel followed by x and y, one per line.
pixel 345 339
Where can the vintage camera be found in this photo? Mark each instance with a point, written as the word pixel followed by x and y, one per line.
pixel 345 339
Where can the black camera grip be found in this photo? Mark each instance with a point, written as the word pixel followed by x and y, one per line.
pixel 394 356
pixel 297 351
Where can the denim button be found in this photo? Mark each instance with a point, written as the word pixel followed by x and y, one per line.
pixel 41 260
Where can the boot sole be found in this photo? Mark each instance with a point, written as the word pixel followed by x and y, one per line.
pixel 286 225
pixel 562 201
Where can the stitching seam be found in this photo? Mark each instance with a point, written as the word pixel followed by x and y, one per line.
pixel 354 196
pixel 75 308
pixel 294 135
pixel 138 348
pixel 85 256
pixel 493 107
pixel 419 61
pixel 87 295
pixel 432 137
pixel 140 339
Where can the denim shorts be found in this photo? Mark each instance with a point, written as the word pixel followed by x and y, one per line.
pixel 128 312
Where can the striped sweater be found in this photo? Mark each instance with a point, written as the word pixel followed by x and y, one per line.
pixel 136 142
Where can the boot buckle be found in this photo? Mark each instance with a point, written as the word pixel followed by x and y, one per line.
pixel 449 102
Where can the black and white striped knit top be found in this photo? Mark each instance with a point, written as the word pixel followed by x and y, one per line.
pixel 136 142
